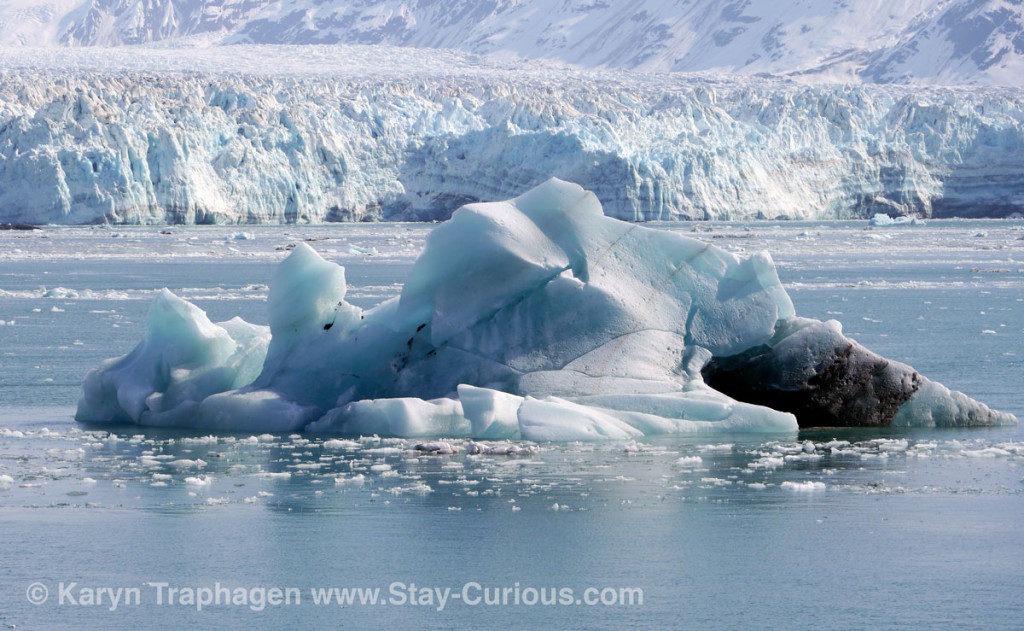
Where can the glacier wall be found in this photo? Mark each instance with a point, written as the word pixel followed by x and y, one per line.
pixel 126 147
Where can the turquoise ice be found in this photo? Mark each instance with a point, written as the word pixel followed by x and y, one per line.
pixel 537 318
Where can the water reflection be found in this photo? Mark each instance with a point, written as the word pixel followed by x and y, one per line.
pixel 66 464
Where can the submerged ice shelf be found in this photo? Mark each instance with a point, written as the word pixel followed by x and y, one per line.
pixel 538 318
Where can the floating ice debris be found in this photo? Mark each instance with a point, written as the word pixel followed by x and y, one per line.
pixel 274 475
pixel 336 444
pixel 501 449
pixel 892 445
pixel 437 447
pixel 59 292
pixel 383 451
pixel 6 482
pixel 537 318
pixel 881 219
pixel 356 480
pixel 306 466
pixel 988 452
pixel 419 488
pixel 803 487
pixel 199 440
pixel 185 463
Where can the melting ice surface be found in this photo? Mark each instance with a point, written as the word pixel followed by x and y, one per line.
pixel 537 318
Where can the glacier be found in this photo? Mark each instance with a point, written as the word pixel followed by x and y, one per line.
pixel 96 144
pixel 538 318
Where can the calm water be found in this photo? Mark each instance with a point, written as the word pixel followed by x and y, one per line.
pixel 825 529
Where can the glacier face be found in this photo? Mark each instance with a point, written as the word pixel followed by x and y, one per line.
pixel 966 41
pixel 112 145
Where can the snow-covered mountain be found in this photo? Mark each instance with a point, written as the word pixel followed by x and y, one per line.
pixel 82 142
pixel 934 41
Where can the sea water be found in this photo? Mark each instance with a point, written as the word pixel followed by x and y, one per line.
pixel 117 526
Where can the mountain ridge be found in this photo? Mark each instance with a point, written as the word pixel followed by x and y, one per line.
pixel 872 41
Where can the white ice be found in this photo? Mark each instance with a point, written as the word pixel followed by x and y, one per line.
pixel 882 219
pixel 122 137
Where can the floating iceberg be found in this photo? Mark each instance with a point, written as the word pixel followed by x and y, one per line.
pixel 538 318
pixel 882 219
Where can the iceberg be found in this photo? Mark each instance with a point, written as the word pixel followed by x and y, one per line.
pixel 537 318
pixel 882 219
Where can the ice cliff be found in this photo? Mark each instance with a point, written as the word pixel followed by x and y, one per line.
pixel 128 147
pixel 538 318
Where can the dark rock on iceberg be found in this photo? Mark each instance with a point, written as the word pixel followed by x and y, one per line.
pixel 812 371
